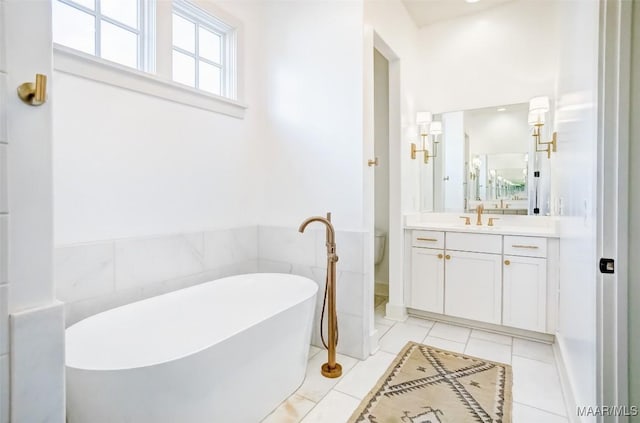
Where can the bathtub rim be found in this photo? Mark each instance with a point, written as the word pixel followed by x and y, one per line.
pixel 204 348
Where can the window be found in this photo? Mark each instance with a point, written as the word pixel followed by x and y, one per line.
pixel 111 29
pixel 200 50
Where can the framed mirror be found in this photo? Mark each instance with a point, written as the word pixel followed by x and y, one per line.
pixel 486 156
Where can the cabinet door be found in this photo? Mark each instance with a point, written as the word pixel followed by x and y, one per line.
pixel 427 279
pixel 525 293
pixel 474 286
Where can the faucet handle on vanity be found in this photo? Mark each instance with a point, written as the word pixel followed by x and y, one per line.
pixel 467 220
pixel 491 220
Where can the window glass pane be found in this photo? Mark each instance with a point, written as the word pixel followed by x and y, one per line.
pixel 73 28
pixel 119 45
pixel 209 45
pixel 125 11
pixel 184 69
pixel 184 34
pixel 89 4
pixel 209 78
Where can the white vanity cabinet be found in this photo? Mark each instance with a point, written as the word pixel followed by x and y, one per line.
pixel 473 287
pixel 492 278
pixel 525 283
pixel 472 266
pixel 427 271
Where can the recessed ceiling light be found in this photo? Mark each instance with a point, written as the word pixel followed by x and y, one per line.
pixel 472 1
pixel 501 109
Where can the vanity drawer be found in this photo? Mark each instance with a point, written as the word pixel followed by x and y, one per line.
pixel 480 243
pixel 428 239
pixel 525 246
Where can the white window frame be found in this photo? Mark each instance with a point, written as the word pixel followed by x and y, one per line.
pixel 145 8
pixel 201 18
pixel 157 81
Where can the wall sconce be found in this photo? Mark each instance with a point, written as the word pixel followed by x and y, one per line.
pixel 424 121
pixel 538 108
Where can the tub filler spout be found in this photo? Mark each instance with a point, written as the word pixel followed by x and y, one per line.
pixel 330 369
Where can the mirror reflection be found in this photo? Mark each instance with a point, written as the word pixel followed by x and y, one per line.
pixel 485 159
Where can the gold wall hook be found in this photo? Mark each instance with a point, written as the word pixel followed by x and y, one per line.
pixel 373 162
pixel 34 94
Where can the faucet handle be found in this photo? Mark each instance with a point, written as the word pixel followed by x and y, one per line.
pixel 467 220
pixel 491 220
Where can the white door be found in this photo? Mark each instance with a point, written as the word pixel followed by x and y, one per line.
pixel 617 358
pixel 427 279
pixel 473 286
pixel 633 307
pixel 524 293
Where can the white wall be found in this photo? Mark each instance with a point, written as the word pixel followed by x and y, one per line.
pixel 131 165
pixel 29 162
pixel 574 184
pixel 310 150
pixel 504 55
pixel 32 374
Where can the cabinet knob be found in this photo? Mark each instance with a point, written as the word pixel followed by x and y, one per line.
pixel 448 257
pixel 440 256
pixel 507 262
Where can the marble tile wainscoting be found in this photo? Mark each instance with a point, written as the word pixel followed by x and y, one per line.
pixel 94 277
pixel 285 250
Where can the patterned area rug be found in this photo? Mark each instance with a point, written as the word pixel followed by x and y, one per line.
pixel 428 385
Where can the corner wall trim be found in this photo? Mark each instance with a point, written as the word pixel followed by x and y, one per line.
pixel 37 364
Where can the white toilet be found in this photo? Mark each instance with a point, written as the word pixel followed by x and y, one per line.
pixel 381 238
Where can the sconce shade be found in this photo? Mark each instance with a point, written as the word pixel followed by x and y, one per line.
pixel 536 118
pixel 539 104
pixel 423 118
pixel 435 128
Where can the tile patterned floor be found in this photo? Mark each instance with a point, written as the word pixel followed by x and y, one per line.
pixel 537 396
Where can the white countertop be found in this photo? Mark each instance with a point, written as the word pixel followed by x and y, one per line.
pixel 542 226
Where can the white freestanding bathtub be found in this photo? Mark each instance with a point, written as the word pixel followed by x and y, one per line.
pixel 224 351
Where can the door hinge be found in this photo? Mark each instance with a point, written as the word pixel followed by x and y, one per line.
pixel 607 265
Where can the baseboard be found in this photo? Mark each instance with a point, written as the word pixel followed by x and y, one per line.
pixel 565 382
pixel 396 312
pixel 489 327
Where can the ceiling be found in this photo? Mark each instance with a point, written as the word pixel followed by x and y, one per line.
pixel 425 12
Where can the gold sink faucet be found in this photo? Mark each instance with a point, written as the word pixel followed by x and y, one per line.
pixel 479 211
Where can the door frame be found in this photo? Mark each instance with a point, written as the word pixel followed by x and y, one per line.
pixel 373 41
pixel 614 83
